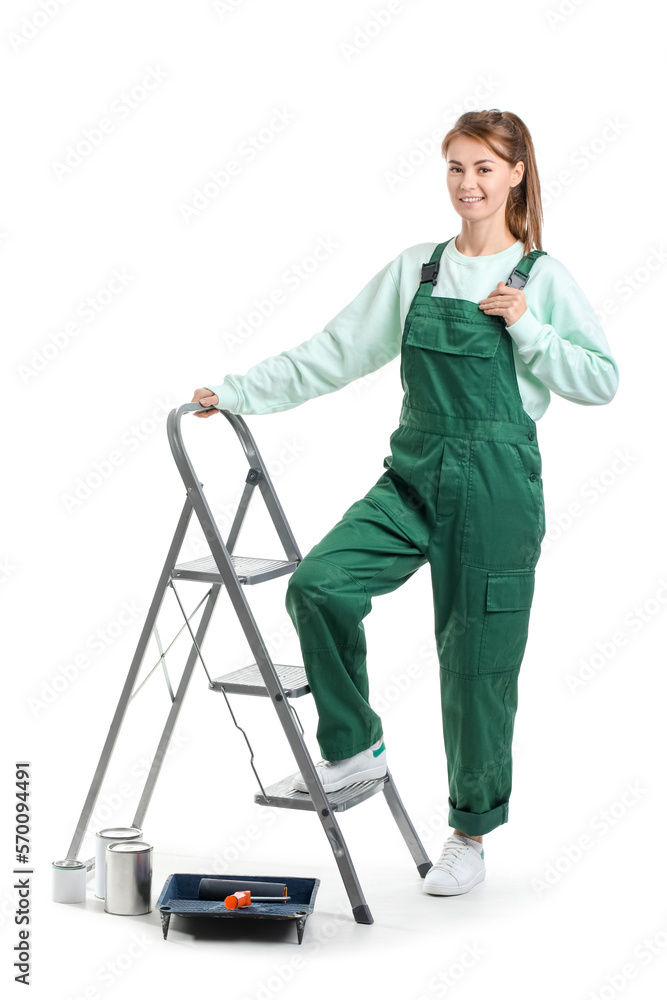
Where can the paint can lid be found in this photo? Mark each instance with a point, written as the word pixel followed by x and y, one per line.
pixel 130 846
pixel 70 863
pixel 119 832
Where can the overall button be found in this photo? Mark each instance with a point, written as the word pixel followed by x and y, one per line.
pixel 532 477
pixel 531 436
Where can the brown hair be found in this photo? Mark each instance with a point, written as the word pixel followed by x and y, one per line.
pixel 508 137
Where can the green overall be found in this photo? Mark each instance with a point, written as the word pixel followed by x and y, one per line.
pixel 462 491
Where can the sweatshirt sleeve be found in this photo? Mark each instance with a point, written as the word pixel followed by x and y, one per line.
pixel 566 348
pixel 361 338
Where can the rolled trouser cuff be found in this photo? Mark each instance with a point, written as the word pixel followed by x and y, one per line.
pixel 477 824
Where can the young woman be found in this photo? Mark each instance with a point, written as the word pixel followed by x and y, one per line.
pixel 462 487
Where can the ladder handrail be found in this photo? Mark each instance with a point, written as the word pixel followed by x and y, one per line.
pixel 261 479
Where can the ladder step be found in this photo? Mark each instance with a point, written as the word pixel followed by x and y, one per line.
pixel 248 680
pixel 283 796
pixel 249 569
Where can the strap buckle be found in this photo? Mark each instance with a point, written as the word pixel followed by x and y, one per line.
pixel 430 272
pixel 517 279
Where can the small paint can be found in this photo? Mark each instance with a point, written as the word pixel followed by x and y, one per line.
pixel 108 836
pixel 68 881
pixel 129 870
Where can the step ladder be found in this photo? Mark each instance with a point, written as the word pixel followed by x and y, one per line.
pixel 279 682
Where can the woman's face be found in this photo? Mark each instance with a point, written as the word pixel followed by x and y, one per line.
pixel 475 172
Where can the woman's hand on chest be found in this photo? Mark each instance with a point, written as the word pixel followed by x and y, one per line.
pixel 510 303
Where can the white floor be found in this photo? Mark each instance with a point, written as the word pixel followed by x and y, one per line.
pixel 507 936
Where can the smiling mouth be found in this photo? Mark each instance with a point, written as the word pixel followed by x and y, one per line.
pixel 471 201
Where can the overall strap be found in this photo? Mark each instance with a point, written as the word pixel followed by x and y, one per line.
pixel 430 271
pixel 521 272
pixel 517 279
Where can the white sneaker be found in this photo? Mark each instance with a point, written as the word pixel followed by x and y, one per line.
pixel 335 774
pixel 457 870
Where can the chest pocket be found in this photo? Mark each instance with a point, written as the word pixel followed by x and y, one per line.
pixel 455 334
pixel 449 359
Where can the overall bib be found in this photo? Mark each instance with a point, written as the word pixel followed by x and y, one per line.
pixel 462 491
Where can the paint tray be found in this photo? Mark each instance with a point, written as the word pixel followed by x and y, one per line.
pixel 179 896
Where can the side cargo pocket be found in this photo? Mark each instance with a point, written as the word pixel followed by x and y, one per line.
pixel 505 627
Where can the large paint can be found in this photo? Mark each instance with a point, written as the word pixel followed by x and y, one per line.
pixel 129 870
pixel 108 836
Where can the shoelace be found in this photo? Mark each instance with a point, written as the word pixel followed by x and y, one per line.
pixel 451 854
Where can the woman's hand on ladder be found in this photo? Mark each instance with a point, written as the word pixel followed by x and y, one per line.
pixel 206 398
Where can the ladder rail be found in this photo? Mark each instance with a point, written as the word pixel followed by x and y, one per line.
pixel 135 666
pixel 254 638
pixel 163 745
pixel 405 826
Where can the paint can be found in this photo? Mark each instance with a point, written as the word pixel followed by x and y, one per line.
pixel 108 836
pixel 129 870
pixel 68 881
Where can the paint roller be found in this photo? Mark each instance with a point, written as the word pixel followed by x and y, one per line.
pixel 238 892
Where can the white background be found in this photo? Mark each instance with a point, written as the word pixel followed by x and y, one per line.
pixel 364 91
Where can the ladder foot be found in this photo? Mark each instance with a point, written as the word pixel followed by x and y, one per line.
pixel 424 869
pixel 362 914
